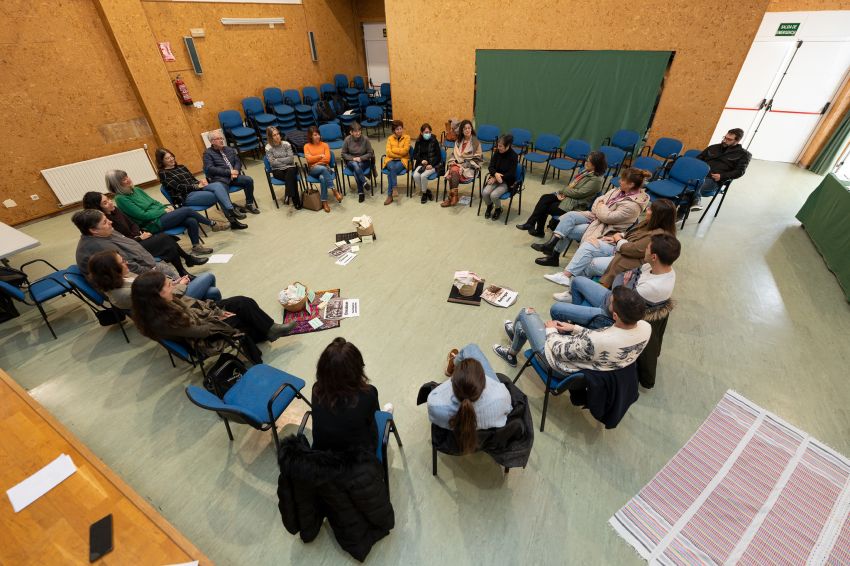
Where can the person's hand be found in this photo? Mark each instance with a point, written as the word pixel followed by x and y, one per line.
pixel 530 310
pixel 594 242
pixel 168 208
pixel 627 277
pixel 429 167
pixel 145 235
pixel 499 178
pixel 203 183
pixel 551 324
pixel 490 180
pixel 183 280
pixel 616 237
pixel 357 159
pixel 234 173
pixel 715 176
pixel 609 239
pixel 226 314
pixel 564 327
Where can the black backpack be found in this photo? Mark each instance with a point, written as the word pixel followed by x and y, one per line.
pixel 325 111
pixel 297 139
pixel 224 374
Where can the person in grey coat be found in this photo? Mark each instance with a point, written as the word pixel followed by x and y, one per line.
pixel 282 162
pixel 357 156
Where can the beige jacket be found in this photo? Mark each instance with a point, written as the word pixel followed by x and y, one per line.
pixel 610 217
pixel 469 160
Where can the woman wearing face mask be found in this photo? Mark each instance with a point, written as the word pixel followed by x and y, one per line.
pixel 464 161
pixel 426 159
pixel 501 177
pixel 395 162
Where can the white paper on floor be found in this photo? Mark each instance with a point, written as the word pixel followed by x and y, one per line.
pixel 41 482
pixel 220 258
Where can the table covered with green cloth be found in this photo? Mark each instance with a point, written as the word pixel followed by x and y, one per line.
pixel 826 217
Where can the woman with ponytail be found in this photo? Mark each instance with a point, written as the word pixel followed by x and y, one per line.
pixel 473 399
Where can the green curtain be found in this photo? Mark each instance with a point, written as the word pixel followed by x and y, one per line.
pixel 587 95
pixel 827 156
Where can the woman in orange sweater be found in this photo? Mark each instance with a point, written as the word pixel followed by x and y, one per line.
pixel 318 156
pixel 395 162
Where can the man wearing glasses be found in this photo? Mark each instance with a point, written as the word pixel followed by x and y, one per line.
pixel 727 160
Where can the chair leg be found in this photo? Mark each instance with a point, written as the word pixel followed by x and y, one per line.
pixel 433 459
pixel 707 208
pixel 121 326
pixel 545 407
pixel 170 357
pixel 276 438
pixel 227 426
pixel 47 322
pixel 394 430
pixel 522 369
pixel 722 198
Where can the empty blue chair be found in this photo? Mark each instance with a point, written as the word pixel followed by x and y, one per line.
pixel 487 135
pixel 522 139
pixel 242 138
pixel 373 118
pixel 665 149
pixel 272 96
pixel 36 293
pixel 291 97
pixel 574 154
pixel 691 153
pixel 383 98
pixel 509 196
pixel 649 164
pixel 683 180
pixel 331 135
pixel 546 147
pixel 310 94
pixel 626 140
pixel 358 83
pixel 340 82
pixel 286 118
pixel 327 90
pixel 363 101
pixel 614 156
pixel 96 301
pixel 258 399
pixel 257 117
pixel 351 97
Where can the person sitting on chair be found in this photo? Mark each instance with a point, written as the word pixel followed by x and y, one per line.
pixel 463 163
pixel 653 281
pixel 222 165
pixel 186 190
pixel 111 275
pixel 569 348
pixel 501 176
pixel 615 211
pixel 427 158
pixel 206 325
pixel 153 216
pixel 357 154
pixel 97 235
pixel 318 156
pixel 726 160
pixel 281 158
pixel 159 245
pixel 623 250
pixel 578 195
pixel 473 399
pixel 396 160
pixel 344 403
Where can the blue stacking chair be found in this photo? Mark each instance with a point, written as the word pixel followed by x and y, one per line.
pixel 327 91
pixel 666 149
pixel 363 101
pixel 554 381
pixel 487 135
pixel 649 164
pixel 680 184
pixel 385 424
pixel 351 97
pixel 340 82
pixel 291 97
pixel 406 172
pixel 383 98
pixel 721 190
pixel 522 140
pixel 331 135
pixel 195 207
pixel 520 184
pixel 258 399
pixel 256 117
pixel 358 83
pixel 275 182
pixel 310 95
pixel 303 112
pixel 284 113
pixel 691 153
pixel 626 140
pixel 272 96
pixel 36 293
pixel 368 169
pixel 614 156
pixel 574 155
pixel 373 118
pixel 546 147
pixel 243 139
pixel 93 298
pixel 320 121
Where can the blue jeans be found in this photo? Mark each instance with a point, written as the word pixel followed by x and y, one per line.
pixel 245 183
pixel 326 179
pixel 590 299
pixel 473 352
pixel 582 262
pixel 394 168
pixel 209 195
pixel 184 217
pixel 356 168
pixel 528 326
pixel 203 287
pixel 571 226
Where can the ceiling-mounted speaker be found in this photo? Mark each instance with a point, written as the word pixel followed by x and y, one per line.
pixel 312 39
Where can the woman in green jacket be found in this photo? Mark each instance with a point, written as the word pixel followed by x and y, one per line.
pixel 153 216
pixel 578 195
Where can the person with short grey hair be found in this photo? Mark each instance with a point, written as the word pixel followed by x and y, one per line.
pixel 222 165
pixel 357 154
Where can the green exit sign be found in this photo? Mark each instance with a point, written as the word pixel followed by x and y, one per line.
pixel 788 29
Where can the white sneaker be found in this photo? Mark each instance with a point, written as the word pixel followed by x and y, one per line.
pixel 558 278
pixel 565 297
pixel 388 408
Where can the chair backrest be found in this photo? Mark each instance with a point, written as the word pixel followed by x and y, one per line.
pixel 385 90
pixel 271 96
pixel 688 170
pixel 613 155
pixel 520 175
pixel 488 133
pixel 576 149
pixel 374 112
pixel 341 81
pixel 79 283
pixel 292 97
pixel 166 195
pixel 649 164
pixel 522 137
pixel 327 89
pixel 330 132
pixel 363 100
pixel 625 139
pixel 206 400
pixel 547 143
pixel 359 83
pixel 229 119
pixel 667 148
pixel 691 153
pixel 267 165
pixel 311 94
pixel 252 106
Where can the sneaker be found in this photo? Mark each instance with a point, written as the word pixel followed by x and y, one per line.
pixel 558 278
pixel 509 329
pixel 199 249
pixel 697 207
pixel 505 354
pixel 388 408
pixel 565 297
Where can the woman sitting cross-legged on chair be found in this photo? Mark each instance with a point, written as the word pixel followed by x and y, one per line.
pixel 152 215
pixel 357 154
pixel 318 156
pixel 344 403
pixel 186 190
pixel 501 177
pixel 282 162
pixel 473 399
pixel 426 160
pixel 111 276
pixel 396 161
pixel 207 326
pixel 569 348
pixel 615 211
pixel 625 250
pixel 159 245
pixel 463 162
pixel 578 195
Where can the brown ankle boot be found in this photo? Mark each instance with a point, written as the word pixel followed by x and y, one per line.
pixel 389 199
pixel 338 196
pixel 325 206
pixel 450 362
pixel 455 197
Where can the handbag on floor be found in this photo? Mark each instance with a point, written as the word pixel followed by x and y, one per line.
pixel 311 200
pixel 227 370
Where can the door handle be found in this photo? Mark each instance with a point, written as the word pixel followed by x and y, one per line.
pixel 825 108
pixel 762 103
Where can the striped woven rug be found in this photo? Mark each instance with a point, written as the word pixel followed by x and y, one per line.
pixel 747 488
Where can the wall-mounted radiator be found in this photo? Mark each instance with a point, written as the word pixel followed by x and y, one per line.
pixel 71 182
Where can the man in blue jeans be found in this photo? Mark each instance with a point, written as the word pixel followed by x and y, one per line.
pixel 357 154
pixel 222 165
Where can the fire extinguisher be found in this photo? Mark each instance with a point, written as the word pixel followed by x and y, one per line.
pixel 182 91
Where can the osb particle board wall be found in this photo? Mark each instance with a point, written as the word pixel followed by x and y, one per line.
pixel 432 55
pixel 370 10
pixel 65 96
pixel 807 5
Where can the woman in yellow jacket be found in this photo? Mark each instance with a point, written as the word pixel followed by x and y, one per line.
pixel 395 162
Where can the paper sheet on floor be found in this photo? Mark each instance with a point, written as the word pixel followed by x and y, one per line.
pixel 41 482
pixel 346 258
pixel 219 258
pixel 342 308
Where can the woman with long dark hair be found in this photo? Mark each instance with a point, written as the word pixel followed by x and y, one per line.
pixel 501 176
pixel 578 195
pixel 463 163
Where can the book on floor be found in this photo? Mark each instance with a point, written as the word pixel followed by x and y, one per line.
pixel 499 296
pixel 474 299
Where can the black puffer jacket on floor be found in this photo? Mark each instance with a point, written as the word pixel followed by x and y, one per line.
pixel 348 488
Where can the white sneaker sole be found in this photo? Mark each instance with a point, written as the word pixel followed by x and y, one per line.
pixel 559 280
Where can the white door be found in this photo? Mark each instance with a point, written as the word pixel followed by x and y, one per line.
pixel 811 81
pixel 377 59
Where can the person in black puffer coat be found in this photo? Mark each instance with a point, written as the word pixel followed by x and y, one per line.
pixel 426 159
pixel 502 176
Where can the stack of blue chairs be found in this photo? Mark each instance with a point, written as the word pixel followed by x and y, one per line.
pixel 242 138
pixel 256 116
pixel 284 113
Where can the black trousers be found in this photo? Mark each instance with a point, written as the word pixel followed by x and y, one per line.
pixel 166 248
pixel 250 318
pixel 546 206
pixel 290 177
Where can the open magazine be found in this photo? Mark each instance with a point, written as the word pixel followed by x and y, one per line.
pixel 499 296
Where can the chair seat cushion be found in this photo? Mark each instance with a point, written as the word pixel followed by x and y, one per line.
pixel 251 394
pixel 265 118
pixel 665 188
pixel 179 231
pixel 283 110
pixel 49 287
pixel 335 144
pixel 242 132
pixel 370 123
pixel 536 157
pixel 563 164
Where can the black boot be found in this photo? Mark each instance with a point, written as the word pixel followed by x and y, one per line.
pixel 525 226
pixel 234 222
pixel 236 213
pixel 496 214
pixel 548 248
pixel 193 260
pixel 551 260
pixel 488 211
pixel 424 198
